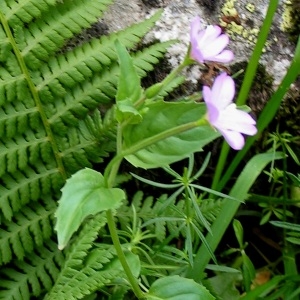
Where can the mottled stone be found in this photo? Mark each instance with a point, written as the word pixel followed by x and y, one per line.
pixel 244 19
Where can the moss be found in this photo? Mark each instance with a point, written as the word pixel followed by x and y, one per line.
pixel 250 7
pixel 291 19
pixel 232 24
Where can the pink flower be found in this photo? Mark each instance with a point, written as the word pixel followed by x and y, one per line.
pixel 223 114
pixel 208 44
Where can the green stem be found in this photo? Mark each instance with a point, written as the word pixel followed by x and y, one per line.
pixel 266 115
pixel 227 212
pixel 153 91
pixel 257 52
pixel 247 83
pixel 220 165
pixel 116 241
pixel 110 174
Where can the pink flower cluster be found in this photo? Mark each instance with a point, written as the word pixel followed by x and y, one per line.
pixel 208 44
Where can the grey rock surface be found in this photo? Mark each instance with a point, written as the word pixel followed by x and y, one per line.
pixel 175 24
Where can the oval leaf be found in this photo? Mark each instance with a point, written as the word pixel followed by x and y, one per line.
pixel 84 194
pixel 161 117
pixel 175 288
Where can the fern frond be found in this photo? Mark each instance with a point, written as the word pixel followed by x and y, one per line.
pixel 210 209
pixel 48 131
pixel 95 140
pixel 73 67
pixel 63 22
pixel 88 279
pixel 16 118
pixel 32 226
pixel 21 187
pixel 145 59
pixel 102 88
pixel 83 272
pixel 33 277
pixel 18 12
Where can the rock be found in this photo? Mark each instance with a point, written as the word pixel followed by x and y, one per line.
pixel 241 20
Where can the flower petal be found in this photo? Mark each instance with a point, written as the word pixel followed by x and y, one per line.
pixel 206 93
pixel 223 91
pixel 224 57
pixel 209 43
pixel 235 139
pixel 213 114
pixel 238 120
pixel 215 46
pixel 211 33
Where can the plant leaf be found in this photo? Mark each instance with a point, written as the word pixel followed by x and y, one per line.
pixel 161 117
pixel 176 287
pixel 224 286
pixel 129 87
pixel 84 194
pixel 248 271
pixel 239 232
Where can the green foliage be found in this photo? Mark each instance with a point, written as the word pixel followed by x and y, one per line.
pixel 159 219
pixel 83 271
pixel 50 127
pixel 22 279
pixel 170 149
pixel 84 194
pixel 175 287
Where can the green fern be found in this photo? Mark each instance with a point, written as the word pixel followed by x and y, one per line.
pixel 84 272
pixel 33 225
pixel 50 127
pixel 24 279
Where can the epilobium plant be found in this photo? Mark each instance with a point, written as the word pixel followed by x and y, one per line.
pixel 152 133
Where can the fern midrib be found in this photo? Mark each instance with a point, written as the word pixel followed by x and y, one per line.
pixel 35 96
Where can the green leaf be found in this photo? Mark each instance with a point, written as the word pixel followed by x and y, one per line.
pixel 132 259
pixel 263 290
pixel 126 111
pixel 160 118
pixel 286 225
pixel 129 88
pixel 224 286
pixel 248 271
pixel 177 288
pixel 84 194
pixel 240 190
pixel 239 232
